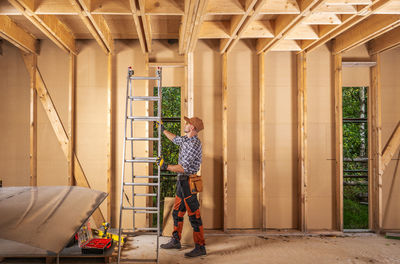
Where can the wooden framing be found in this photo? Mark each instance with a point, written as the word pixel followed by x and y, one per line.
pixel 71 118
pixel 189 82
pixel 375 177
pixel 369 28
pixel 302 139
pixel 146 24
pixel 197 25
pixel 62 136
pixel 167 64
pixel 49 25
pixel 337 60
pixel 263 145
pixel 110 139
pixel 184 96
pixel 390 148
pixel 386 41
pixel 225 135
pixel 138 26
pixel 17 36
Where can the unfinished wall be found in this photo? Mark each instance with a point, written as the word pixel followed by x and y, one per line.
pixel 14 117
pixel 281 140
pixel 320 140
pixel 390 83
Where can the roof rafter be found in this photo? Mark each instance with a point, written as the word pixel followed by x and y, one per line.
pixel 138 25
pixel 146 24
pixel 369 28
pixel 50 25
pixel 17 36
pixel 96 24
pixel 386 41
pixel 200 14
pixel 284 24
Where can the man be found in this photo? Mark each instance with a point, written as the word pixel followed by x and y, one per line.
pixel 189 163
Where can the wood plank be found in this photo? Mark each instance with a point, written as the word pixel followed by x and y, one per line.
pixel 337 59
pixel 328 32
pixel 200 15
pixel 17 36
pixel 287 45
pixel 190 83
pixel 302 139
pixel 263 144
pixel 138 25
pixel 390 148
pixel 225 7
pixel 214 29
pixel 377 154
pixel 336 9
pixel 110 139
pixel 62 136
pixel 225 136
pixel 71 118
pixel 387 41
pixel 145 20
pixel 164 7
pixel 303 31
pixel 370 28
pixel 280 7
pixel 259 29
pixel 49 25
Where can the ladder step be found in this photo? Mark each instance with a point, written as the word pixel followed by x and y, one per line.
pixel 142 211
pixel 146 177
pixel 139 260
pixel 144 98
pixel 145 194
pixel 143 160
pixel 144 118
pixel 141 229
pixel 140 184
pixel 135 208
pixel 141 139
pixel 144 78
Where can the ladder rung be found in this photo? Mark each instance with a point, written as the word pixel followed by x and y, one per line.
pixel 145 160
pixel 144 98
pixel 146 177
pixel 139 208
pixel 141 139
pixel 145 212
pixel 138 260
pixel 140 184
pixel 144 118
pixel 144 78
pixel 141 229
pixel 145 194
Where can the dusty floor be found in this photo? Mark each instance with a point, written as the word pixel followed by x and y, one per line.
pixel 281 249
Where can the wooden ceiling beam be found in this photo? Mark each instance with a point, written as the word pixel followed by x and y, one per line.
pixel 328 32
pixel 164 7
pixel 284 24
pixel 96 25
pixel 17 36
pixel 368 29
pixel 200 15
pixel 49 25
pixel 138 25
pixel 236 22
pixel 387 41
pixel 146 24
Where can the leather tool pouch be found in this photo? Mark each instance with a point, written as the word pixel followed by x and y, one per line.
pixel 195 183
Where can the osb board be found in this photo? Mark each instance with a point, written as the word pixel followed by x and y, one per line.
pixel 208 106
pixel 53 64
pixel 390 83
pixel 320 140
pixel 14 117
pixel 281 140
pixel 91 114
pixel 243 139
pixel 168 223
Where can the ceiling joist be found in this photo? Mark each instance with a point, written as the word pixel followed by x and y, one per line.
pixel 17 36
pixel 145 20
pixel 49 25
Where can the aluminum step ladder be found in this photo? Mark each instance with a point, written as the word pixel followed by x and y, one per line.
pixel 128 160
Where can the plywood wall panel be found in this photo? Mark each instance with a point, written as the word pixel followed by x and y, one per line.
pixel 390 83
pixel 281 140
pixel 91 114
pixel 14 117
pixel 321 136
pixel 208 106
pixel 243 139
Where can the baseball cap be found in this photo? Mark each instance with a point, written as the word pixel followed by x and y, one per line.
pixel 196 122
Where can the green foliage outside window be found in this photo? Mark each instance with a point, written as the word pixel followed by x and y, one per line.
pixel 171 113
pixel 355 154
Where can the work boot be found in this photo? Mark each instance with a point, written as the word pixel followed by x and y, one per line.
pixel 196 252
pixel 173 243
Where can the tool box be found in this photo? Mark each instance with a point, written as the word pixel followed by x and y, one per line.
pixel 97 246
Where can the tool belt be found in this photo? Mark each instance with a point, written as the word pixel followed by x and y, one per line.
pixel 195 183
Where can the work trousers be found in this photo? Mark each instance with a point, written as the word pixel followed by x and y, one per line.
pixel 185 201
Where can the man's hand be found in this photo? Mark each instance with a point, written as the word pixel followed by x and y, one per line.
pixel 159 124
pixel 160 162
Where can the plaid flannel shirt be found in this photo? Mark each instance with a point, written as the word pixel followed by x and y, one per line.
pixel 189 153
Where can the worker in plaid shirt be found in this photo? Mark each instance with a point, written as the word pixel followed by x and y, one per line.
pixel 188 163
